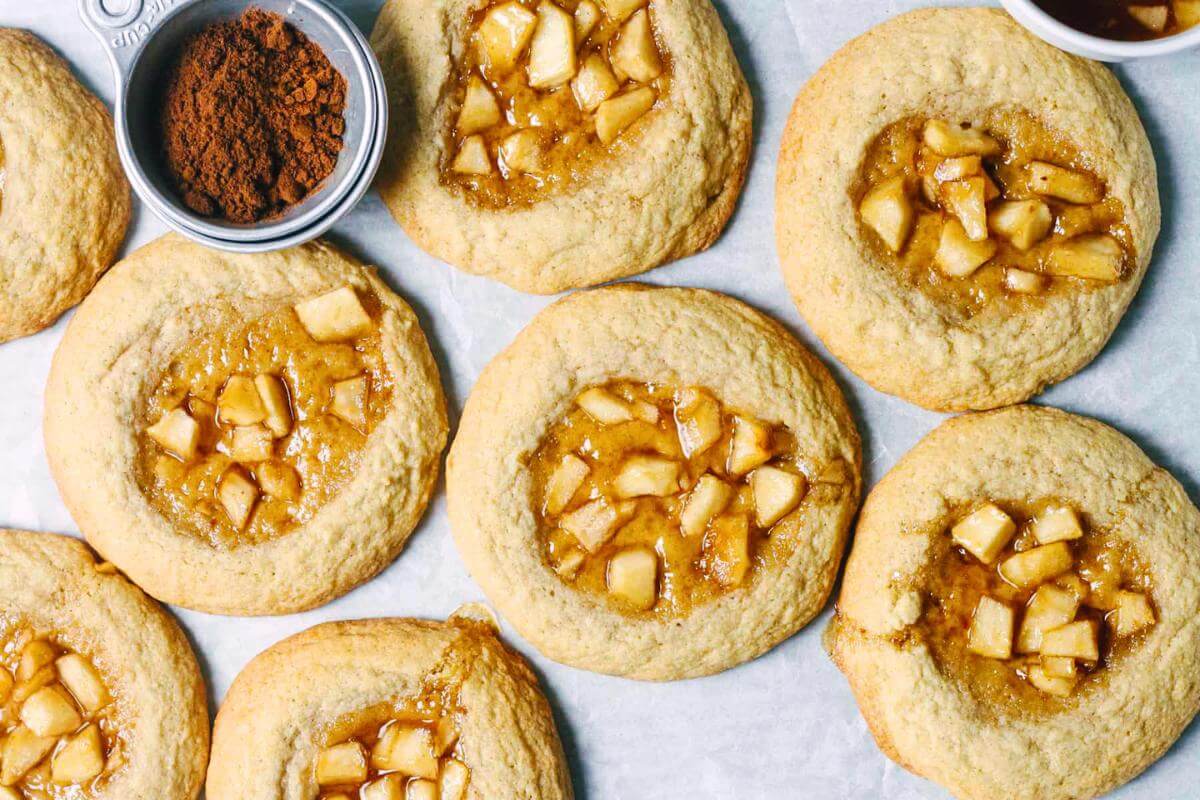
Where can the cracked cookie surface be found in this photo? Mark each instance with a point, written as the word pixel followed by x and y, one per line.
pixel 1021 595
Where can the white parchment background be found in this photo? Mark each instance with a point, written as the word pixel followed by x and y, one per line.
pixel 785 725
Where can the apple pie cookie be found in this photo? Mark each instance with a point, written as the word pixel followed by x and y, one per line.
pixel 272 423
pixel 965 225
pixel 654 482
pixel 64 199
pixel 1017 616
pixel 388 709
pixel 553 144
pixel 100 695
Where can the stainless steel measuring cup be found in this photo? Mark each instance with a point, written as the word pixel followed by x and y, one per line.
pixel 141 37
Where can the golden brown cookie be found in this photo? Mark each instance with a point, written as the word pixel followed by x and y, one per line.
pixel 100 695
pixel 654 482
pixel 245 434
pixel 388 709
pixel 1018 613
pixel 553 145
pixel 64 201
pixel 963 212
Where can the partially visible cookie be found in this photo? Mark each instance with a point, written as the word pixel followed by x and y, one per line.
pixel 654 482
pixel 387 709
pixel 245 434
pixel 100 695
pixel 554 145
pixel 1018 613
pixel 963 212
pixel 64 200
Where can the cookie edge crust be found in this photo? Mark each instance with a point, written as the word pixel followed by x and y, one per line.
pixel 500 560
pixel 26 315
pixel 76 575
pixel 184 571
pixel 949 364
pixel 900 691
pixel 551 257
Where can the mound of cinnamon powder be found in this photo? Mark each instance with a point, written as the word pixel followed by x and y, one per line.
pixel 251 118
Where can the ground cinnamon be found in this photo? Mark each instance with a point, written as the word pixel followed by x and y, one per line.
pixel 251 118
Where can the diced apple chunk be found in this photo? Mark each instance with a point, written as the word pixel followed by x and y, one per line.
pixel 587 16
pixel 708 498
pixel 83 682
pixel 237 494
pixel 472 158
pixel 955 169
pixel 177 433
pixel 421 790
pixel 1187 13
pixel 592 524
pixel 749 447
pixel 389 787
pixel 1132 614
pixel 953 140
pixel 697 421
pixel 991 632
pixel 966 200
pixel 552 51
pixel 334 316
pixel 1050 607
pixel 635 52
pixel 1050 684
pixel 642 476
pixel 1095 257
pixel 8 793
pixel 452 783
pixel 250 443
pixel 1056 524
pixel 35 656
pixel 342 763
pixel 1060 667
pixel 503 35
pixel 1052 180
pixel 618 113
pixel 6 686
pixel 570 562
pixel 957 255
pixel 523 152
pixel 776 493
pixel 273 394
pixel 80 759
pixel 633 577
pixel 1152 18
pixel 1073 584
pixel 562 484
pixel 984 532
pixel 1080 639
pixel 604 406
pixel 595 83
pixel 729 549
pixel 445 736
pixel 479 109
pixel 1037 565
pixel 620 9
pixel 646 412
pixel 23 750
pixel 1023 282
pixel 239 403
pixel 888 210
pixel 1022 222
pixel 278 480
pixel 48 712
pixel 349 402
pixel 406 749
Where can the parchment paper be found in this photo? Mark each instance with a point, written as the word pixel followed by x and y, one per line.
pixel 785 725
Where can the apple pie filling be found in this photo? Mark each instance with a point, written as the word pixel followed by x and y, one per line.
pixel 406 751
pixel 1126 20
pixel 661 498
pixel 1029 603
pixel 59 725
pixel 1004 209
pixel 252 429
pixel 545 89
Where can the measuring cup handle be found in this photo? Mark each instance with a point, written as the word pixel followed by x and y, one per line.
pixel 122 33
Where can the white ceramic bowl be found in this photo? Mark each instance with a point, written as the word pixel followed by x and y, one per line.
pixel 1063 36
